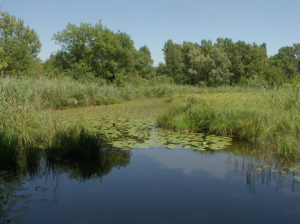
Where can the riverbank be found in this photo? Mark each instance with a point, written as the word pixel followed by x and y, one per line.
pixel 268 118
pixel 26 106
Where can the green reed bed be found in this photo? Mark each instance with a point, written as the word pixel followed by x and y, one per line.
pixel 268 118
pixel 26 104
pixel 75 143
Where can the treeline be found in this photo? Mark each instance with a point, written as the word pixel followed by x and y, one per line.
pixel 226 62
pixel 95 53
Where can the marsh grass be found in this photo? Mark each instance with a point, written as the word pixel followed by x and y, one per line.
pixel 75 143
pixel 8 148
pixel 268 118
pixel 26 104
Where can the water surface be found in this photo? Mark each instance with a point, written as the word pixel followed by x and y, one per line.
pixel 161 185
pixel 152 177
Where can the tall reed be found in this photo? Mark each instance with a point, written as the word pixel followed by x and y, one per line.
pixel 268 118
pixel 75 143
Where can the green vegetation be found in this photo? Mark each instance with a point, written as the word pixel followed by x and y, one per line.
pixel 267 118
pixel 229 63
pixel 19 45
pixel 75 143
pixel 26 105
pixel 93 53
pixel 96 66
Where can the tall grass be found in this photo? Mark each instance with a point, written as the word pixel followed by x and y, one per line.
pixel 75 143
pixel 26 104
pixel 268 118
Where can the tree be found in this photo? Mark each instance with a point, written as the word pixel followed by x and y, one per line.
pixel 3 64
pixel 200 67
pixel 212 69
pixel 219 73
pixel 249 61
pixel 20 44
pixel 144 63
pixel 100 51
pixel 174 61
pixel 161 69
pixel 287 60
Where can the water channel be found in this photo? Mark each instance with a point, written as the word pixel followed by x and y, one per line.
pixel 159 180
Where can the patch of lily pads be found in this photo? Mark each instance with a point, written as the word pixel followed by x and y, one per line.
pixel 125 132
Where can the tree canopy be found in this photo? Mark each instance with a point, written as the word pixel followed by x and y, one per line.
pixel 90 52
pixel 98 51
pixel 20 45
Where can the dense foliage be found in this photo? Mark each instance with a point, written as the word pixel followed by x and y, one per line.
pixel 97 66
pixel 19 45
pixel 95 53
pixel 224 62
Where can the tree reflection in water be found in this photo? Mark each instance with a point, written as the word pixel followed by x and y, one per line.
pixel 87 170
pixel 12 177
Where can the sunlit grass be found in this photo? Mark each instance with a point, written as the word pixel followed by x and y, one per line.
pixel 268 118
pixel 26 105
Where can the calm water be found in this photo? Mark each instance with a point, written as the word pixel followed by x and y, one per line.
pixel 156 185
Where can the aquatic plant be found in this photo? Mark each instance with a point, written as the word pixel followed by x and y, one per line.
pixel 75 143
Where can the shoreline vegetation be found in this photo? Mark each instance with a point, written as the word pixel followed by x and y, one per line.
pixel 268 118
pixel 26 107
pixel 226 88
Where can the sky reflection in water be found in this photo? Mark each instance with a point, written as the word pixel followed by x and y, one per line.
pixel 162 185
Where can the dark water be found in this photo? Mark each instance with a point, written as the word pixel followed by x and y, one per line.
pixel 157 185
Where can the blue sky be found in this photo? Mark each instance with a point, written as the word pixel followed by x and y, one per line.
pixel 153 22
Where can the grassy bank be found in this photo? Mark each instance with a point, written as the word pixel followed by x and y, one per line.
pixel 268 118
pixel 26 106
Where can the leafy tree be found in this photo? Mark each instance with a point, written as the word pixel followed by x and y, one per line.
pixel 248 60
pixel 220 68
pixel 212 69
pixel 287 60
pixel 161 69
pixel 20 45
pixel 186 48
pixel 206 46
pixel 3 64
pixel 100 51
pixel 144 63
pixel 297 54
pixel 200 66
pixel 174 61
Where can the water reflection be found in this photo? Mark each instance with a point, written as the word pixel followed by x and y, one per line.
pixel 83 171
pixel 258 168
pixel 15 180
pixel 157 178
